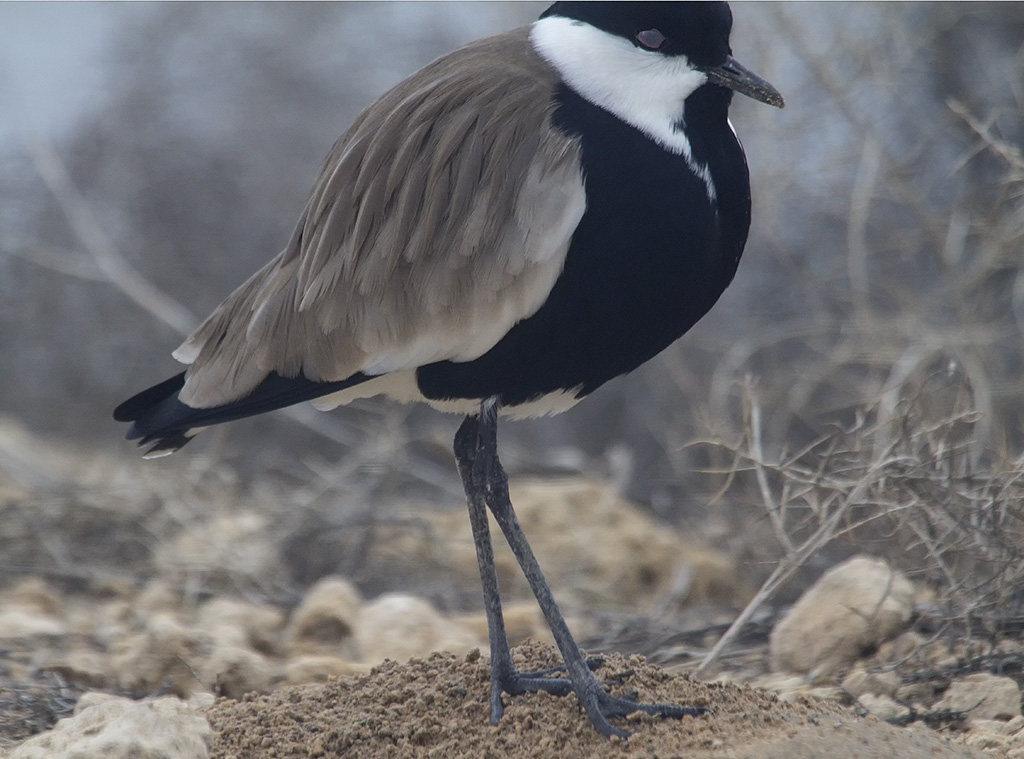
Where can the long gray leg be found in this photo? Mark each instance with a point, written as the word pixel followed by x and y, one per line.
pixel 489 476
pixel 504 677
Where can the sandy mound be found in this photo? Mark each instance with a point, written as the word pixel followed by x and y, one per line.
pixel 437 707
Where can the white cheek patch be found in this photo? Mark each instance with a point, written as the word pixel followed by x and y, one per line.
pixel 642 88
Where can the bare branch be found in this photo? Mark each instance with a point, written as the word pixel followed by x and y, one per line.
pixel 100 247
pixel 61 261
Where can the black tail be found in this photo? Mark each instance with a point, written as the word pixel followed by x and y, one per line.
pixel 164 423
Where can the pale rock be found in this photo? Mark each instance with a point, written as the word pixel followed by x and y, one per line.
pixel 791 689
pixel 319 669
pixel 111 620
pixel 791 697
pixel 200 701
pixel 225 635
pixel 35 593
pixel 810 695
pixel 233 671
pixel 93 698
pixel 922 692
pixel 607 551
pixel 901 647
pixel 781 683
pixel 324 621
pixel 1014 726
pixel 853 607
pixel 860 681
pixel 993 726
pixel 523 621
pixel 118 728
pixel 1009 646
pixel 985 741
pixel 982 696
pixel 238 623
pixel 18 623
pixel 882 707
pixel 82 667
pixel 399 626
pixel 165 653
pixel 826 693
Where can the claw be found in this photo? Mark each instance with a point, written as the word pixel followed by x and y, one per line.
pixel 600 705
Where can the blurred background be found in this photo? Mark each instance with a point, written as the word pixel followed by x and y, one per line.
pixel 154 155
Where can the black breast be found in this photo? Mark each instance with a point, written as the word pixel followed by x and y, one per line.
pixel 651 255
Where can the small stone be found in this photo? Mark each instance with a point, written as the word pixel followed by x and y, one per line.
pixel 233 671
pixel 982 696
pixel 400 626
pixel 921 692
pixel 81 667
pixel 882 707
pixel 901 647
pixel 854 606
pixel 239 623
pixel 164 655
pixel 18 623
pixel 985 740
pixel 111 727
pixel 783 683
pixel 993 726
pixel 324 622
pixel 319 669
pixel 94 698
pixel 860 681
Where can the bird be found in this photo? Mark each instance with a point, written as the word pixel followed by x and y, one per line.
pixel 510 227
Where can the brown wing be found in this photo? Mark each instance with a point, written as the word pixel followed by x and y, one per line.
pixel 440 219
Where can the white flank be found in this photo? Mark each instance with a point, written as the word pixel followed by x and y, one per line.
pixel 402 387
pixel 546 405
pixel 644 88
pixel 399 386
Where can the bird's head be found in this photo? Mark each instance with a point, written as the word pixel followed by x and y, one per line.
pixel 685 42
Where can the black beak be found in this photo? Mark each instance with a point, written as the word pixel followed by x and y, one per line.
pixel 734 76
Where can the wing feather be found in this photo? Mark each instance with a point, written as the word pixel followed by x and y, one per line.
pixel 440 218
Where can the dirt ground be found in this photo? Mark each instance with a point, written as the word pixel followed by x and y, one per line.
pixel 144 618
pixel 436 707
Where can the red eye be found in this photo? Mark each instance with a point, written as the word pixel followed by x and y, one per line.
pixel 651 39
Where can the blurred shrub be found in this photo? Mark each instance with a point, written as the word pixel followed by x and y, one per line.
pixel 882 265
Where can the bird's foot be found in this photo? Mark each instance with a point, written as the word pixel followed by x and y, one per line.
pixel 599 704
pixel 514 683
pixel 602 706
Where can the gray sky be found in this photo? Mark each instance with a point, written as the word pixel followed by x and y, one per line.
pixel 50 62
pixel 52 57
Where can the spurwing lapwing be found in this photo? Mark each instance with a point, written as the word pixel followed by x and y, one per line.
pixel 512 226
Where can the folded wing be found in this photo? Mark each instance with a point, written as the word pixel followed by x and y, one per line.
pixel 440 219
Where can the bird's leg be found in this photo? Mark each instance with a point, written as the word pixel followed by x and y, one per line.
pixel 501 657
pixel 598 703
pixel 504 677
